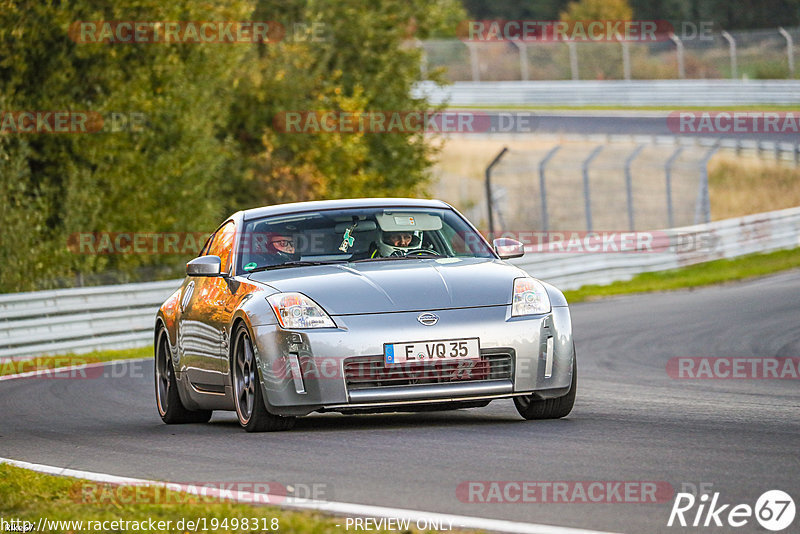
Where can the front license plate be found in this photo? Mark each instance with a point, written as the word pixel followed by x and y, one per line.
pixel 432 351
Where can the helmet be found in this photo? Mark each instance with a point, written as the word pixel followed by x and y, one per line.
pixel 398 243
pixel 281 245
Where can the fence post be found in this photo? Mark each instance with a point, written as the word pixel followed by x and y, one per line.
pixel 523 58
pixel 668 176
pixel 474 61
pixel 789 50
pixel 732 44
pixel 423 59
pixel 542 185
pixel 489 196
pixel 626 60
pixel 702 212
pixel 680 53
pixel 629 184
pixel 587 199
pixel 573 60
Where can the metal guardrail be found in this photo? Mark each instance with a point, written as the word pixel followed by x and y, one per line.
pixel 763 232
pixel 614 93
pixel 80 319
pixel 122 316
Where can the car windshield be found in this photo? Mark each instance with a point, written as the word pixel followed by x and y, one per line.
pixel 353 235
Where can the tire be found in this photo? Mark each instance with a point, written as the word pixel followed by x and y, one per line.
pixel 248 398
pixel 168 401
pixel 531 407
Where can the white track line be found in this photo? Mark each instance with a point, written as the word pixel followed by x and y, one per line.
pixel 335 508
pixel 61 370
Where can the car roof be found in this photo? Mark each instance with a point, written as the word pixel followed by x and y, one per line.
pixel 318 205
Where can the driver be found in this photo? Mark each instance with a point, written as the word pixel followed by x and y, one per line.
pixel 395 243
pixel 281 245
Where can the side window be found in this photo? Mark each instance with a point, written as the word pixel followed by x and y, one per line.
pixel 222 244
pixel 206 245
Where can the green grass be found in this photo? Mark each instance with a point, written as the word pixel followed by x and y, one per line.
pixel 704 274
pixel 11 367
pixel 29 496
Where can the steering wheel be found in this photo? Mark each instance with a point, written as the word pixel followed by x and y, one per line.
pixel 421 252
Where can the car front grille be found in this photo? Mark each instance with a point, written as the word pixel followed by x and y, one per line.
pixel 364 372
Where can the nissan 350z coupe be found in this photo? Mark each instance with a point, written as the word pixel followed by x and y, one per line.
pixel 359 306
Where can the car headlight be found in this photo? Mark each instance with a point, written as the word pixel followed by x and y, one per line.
pixel 530 298
pixel 295 310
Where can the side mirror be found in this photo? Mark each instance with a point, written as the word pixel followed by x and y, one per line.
pixel 204 266
pixel 508 248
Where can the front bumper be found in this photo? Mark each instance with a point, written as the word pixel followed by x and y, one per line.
pixel 303 371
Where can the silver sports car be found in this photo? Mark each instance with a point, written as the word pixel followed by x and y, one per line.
pixel 359 306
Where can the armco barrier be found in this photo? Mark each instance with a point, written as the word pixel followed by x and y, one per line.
pixel 614 93
pixel 729 238
pixel 122 316
pixel 80 319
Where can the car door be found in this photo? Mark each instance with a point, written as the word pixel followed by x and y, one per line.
pixel 206 308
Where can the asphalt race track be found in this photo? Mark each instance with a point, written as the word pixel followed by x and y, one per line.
pixel 631 422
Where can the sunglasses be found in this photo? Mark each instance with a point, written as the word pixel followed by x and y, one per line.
pixel 283 242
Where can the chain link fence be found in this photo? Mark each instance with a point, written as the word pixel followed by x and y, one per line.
pixel 591 185
pixel 754 54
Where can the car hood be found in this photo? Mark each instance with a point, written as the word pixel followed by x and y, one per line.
pixel 399 285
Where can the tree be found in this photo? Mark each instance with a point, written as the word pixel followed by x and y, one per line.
pixel 364 61
pixel 208 145
pixel 163 177
pixel 583 10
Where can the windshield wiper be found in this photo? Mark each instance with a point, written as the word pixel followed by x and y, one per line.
pixel 298 263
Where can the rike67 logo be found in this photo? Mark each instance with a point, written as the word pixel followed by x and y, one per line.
pixel 774 510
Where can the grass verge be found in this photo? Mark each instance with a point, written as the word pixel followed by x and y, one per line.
pixel 31 496
pixel 703 274
pixel 12 367
pixel 743 186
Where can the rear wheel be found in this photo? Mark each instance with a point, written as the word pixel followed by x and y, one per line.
pixel 250 406
pixel 168 401
pixel 531 407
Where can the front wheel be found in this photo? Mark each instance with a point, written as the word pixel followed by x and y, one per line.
pixel 168 401
pixel 531 407
pixel 250 406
